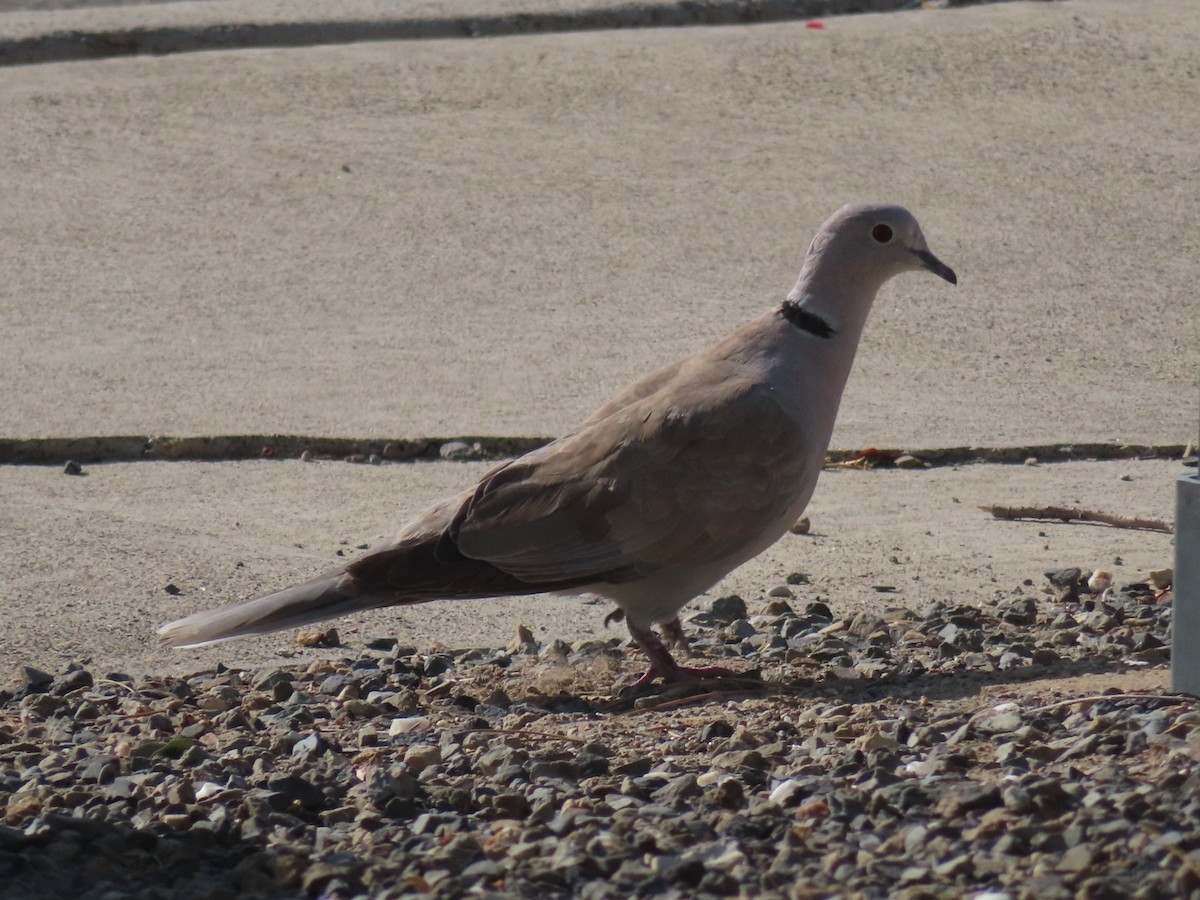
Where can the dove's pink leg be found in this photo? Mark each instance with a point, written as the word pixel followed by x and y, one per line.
pixel 662 664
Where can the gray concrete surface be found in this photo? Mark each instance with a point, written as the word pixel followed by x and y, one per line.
pixel 493 236
pixel 88 559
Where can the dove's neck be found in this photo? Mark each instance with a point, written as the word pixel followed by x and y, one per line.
pixel 839 300
pixel 826 319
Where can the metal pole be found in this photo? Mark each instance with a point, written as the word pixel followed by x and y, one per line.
pixel 1185 614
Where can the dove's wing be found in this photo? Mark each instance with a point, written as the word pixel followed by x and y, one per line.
pixel 686 476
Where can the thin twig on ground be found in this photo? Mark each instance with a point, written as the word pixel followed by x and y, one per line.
pixel 1065 514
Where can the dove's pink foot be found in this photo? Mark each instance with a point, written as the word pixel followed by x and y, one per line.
pixel 684 673
pixel 662 664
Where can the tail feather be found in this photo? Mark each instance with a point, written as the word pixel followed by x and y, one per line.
pixel 322 598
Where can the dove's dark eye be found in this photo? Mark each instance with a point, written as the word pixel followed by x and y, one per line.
pixel 882 233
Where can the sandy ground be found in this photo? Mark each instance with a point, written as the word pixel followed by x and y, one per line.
pixel 493 236
pixel 90 558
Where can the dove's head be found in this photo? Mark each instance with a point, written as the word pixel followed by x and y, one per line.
pixel 859 248
pixel 879 239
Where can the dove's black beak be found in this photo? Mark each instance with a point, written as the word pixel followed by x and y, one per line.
pixel 936 266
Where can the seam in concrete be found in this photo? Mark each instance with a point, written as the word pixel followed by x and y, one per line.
pixel 228 448
pixel 69 46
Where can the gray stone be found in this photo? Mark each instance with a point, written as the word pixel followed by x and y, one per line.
pixel 729 608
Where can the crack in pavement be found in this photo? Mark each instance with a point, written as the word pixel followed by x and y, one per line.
pixel 69 46
pixel 228 448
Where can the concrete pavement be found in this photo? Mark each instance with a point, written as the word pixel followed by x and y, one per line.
pixel 88 560
pixel 493 236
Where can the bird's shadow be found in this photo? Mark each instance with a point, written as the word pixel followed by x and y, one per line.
pixel 940 686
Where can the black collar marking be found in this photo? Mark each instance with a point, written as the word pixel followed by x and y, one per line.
pixel 807 321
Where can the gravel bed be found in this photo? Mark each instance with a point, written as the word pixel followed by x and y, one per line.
pixel 853 758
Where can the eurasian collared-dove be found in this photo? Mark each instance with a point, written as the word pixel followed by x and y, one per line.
pixel 657 495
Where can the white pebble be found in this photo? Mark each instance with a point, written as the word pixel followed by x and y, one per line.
pixel 409 725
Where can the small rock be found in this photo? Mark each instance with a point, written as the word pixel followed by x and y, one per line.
pixel 1044 656
pixel 511 805
pixel 864 623
pixel 315 638
pixel 455 450
pixel 970 798
pixel 409 725
pixel 802 526
pixel 1066 583
pixel 869 743
pixel 391 792
pixel 738 759
pixel 74 680
pixel 72 468
pixel 678 790
pixel 322 876
pixel 421 756
pixel 100 769
pixel 786 793
pixel 295 789
pixel 310 747
pixel 1077 859
pixel 955 866
pixel 728 609
pixel 779 607
pixel 1001 720
pixel 561 769
pixel 334 684
pixel 635 768
pixel 35 680
pixel 818 610
pixel 739 629
pixel 523 642
pixel 1161 579
pixel 177 821
pixel 556 649
pixel 21 808
pixel 729 794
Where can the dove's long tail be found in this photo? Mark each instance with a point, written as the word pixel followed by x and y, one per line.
pixel 425 565
pixel 322 598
